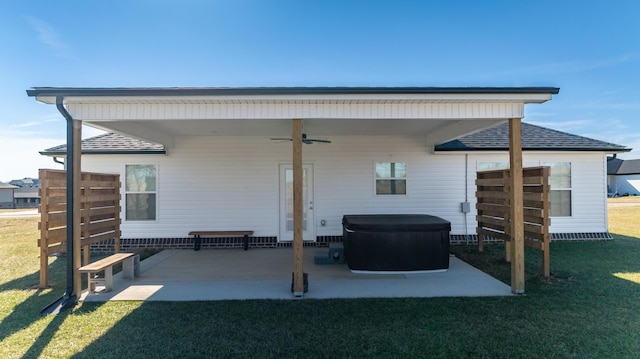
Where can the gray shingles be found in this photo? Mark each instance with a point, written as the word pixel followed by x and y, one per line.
pixel 110 143
pixel 534 138
pixel 617 166
pixel 7 186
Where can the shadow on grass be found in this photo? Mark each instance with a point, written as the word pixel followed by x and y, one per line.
pixel 38 346
pixel 585 261
pixel 346 328
pixel 28 311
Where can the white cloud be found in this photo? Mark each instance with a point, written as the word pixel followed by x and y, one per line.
pixel 49 37
pixel 28 124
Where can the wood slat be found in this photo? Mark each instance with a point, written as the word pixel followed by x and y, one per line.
pixel 497 212
pixel 56 235
pixel 493 206
pixel 533 244
pixel 101 237
pixel 104 263
pixel 492 182
pixel 100 198
pixel 57 248
pixel 220 233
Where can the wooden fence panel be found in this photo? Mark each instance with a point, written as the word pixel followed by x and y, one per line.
pixel 100 214
pixel 493 207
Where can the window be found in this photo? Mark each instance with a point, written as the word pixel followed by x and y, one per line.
pixel 391 178
pixel 140 192
pixel 560 194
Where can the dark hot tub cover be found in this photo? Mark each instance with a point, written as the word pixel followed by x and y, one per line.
pixel 395 223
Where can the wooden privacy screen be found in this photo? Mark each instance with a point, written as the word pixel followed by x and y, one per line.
pixel 494 209
pixel 100 214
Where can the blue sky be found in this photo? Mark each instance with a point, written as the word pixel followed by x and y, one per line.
pixel 590 49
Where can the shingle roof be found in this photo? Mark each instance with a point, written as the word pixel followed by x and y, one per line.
pixel 617 166
pixel 7 186
pixel 110 143
pixel 26 192
pixel 534 138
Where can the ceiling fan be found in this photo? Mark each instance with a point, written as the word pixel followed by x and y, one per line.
pixel 305 140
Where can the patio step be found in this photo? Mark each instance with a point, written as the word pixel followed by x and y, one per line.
pixel 335 255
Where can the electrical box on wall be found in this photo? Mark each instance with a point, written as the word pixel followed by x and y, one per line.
pixel 465 207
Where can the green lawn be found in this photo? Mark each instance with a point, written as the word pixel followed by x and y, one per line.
pixel 590 308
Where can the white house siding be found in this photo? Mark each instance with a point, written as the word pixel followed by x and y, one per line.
pixel 6 197
pixel 626 185
pixel 232 183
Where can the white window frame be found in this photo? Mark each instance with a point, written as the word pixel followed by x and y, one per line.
pixel 392 178
pixel 154 192
pixel 570 188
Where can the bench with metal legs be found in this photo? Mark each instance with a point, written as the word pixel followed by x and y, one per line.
pixel 197 237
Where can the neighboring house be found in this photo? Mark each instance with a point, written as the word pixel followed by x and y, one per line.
pixel 26 195
pixel 6 195
pixel 623 177
pixel 26 182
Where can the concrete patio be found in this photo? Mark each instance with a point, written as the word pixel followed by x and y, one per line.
pixel 234 274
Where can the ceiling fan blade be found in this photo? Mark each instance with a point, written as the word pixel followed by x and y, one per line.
pixel 305 140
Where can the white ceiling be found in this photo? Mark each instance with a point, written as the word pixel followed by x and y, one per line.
pixel 434 130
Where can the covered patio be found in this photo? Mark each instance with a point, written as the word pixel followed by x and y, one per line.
pixel 232 274
pixel 181 117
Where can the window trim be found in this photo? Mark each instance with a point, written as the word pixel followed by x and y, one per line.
pixel 125 193
pixel 570 188
pixel 376 179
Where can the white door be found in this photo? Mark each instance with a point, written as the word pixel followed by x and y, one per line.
pixel 286 203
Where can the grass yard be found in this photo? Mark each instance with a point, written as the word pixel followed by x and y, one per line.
pixel 590 308
pixel 626 199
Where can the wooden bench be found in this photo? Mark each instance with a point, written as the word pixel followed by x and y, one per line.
pixel 197 240
pixel 106 265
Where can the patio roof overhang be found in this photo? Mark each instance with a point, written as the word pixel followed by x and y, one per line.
pixel 159 114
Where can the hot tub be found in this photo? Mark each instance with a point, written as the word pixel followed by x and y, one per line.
pixel 396 242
